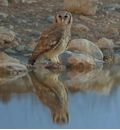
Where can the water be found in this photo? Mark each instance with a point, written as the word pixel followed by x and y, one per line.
pixel 71 99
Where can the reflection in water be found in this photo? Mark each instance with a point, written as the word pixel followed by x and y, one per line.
pixel 52 93
pixel 101 80
pixel 19 86
pixel 52 89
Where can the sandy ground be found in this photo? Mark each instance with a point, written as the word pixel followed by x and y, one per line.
pixel 28 18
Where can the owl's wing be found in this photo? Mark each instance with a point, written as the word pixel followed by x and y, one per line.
pixel 49 40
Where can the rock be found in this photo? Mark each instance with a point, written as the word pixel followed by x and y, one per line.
pixel 50 19
pixel 4 15
pixel 112 7
pixel 86 47
pixel 117 59
pixel 105 43
pixel 4 58
pixel 80 28
pixel 109 30
pixel 10 68
pixel 86 7
pixel 31 46
pixel 11 27
pixel 77 61
pixel 10 50
pixel 6 36
pixel 20 48
pixel 87 19
pixel 29 1
pixel 4 2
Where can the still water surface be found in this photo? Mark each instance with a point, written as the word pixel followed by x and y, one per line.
pixel 71 99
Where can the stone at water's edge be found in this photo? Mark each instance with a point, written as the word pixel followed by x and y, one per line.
pixel 7 37
pixel 86 47
pixel 107 45
pixel 10 67
pixel 6 34
pixel 77 61
pixel 86 7
pixel 4 58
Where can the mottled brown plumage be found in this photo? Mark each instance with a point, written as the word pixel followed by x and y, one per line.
pixel 54 40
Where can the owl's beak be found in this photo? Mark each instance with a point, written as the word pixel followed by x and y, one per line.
pixel 62 20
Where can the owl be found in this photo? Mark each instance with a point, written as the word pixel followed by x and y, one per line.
pixel 54 40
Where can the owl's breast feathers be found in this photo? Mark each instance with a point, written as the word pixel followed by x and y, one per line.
pixel 49 40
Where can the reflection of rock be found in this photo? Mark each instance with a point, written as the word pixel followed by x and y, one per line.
pixel 86 7
pixel 77 61
pixel 95 80
pixel 52 93
pixel 85 46
pixel 15 87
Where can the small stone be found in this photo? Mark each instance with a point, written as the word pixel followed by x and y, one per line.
pixel 4 2
pixel 105 43
pixel 80 28
pixel 4 15
pixel 10 50
pixel 20 48
pixel 111 30
pixel 29 1
pixel 6 34
pixel 112 7
pixel 11 27
pixel 50 19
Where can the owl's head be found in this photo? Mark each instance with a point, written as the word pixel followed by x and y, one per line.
pixel 64 18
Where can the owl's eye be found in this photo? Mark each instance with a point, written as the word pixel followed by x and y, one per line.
pixel 59 16
pixel 65 16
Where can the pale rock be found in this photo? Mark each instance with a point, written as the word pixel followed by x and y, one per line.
pixel 4 15
pixel 86 47
pixel 80 28
pixel 105 43
pixel 86 7
pixel 111 30
pixel 10 67
pixel 50 19
pixel 29 1
pixel 6 35
pixel 5 58
pixel 4 2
